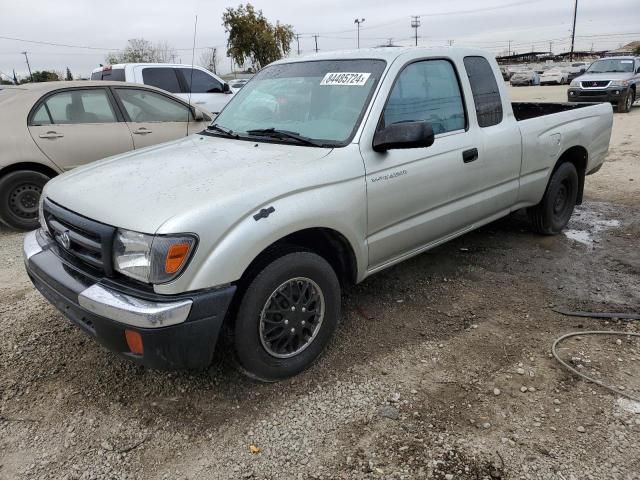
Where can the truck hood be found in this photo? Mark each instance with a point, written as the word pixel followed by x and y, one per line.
pixel 143 189
pixel 589 77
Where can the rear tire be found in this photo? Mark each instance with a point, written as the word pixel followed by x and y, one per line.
pixel 286 317
pixel 553 212
pixel 19 196
pixel 624 106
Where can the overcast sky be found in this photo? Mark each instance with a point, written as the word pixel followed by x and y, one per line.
pixel 107 25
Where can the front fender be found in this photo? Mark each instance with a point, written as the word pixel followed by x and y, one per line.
pixel 338 206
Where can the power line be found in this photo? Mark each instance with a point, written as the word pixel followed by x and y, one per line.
pixel 415 23
pixel 28 66
pixel 573 32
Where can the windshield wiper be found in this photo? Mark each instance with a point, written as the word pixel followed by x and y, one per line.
pixel 283 134
pixel 227 131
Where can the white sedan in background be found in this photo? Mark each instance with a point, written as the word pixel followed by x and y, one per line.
pixel 555 76
pixel 48 128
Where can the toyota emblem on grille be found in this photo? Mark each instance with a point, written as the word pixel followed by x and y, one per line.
pixel 64 239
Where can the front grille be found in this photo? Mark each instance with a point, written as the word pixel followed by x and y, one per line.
pixel 597 93
pixel 596 84
pixel 89 241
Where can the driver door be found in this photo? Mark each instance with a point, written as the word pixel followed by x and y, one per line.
pixel 154 118
pixel 419 196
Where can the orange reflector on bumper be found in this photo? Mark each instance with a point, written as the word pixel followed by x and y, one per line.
pixel 134 341
pixel 175 257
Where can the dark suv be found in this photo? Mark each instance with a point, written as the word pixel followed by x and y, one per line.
pixel 614 80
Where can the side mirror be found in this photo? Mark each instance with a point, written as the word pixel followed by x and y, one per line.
pixel 638 70
pixel 198 116
pixel 226 88
pixel 417 134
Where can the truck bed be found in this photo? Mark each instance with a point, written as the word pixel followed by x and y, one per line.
pixel 527 110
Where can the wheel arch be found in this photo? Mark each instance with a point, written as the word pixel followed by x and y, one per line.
pixel 32 166
pixel 330 244
pixel 579 157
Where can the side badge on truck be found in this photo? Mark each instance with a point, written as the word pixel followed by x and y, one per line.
pixel 264 213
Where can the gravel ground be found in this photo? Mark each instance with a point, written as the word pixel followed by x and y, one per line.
pixel 440 369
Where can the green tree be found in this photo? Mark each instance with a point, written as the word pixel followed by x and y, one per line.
pixel 637 50
pixel 68 76
pixel 43 76
pixel 253 38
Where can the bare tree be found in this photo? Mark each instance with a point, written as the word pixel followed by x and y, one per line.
pixel 209 59
pixel 165 53
pixel 139 50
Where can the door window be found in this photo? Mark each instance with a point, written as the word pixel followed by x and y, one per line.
pixel 484 87
pixel 427 90
pixel 202 82
pixel 76 106
pixel 164 78
pixel 146 106
pixel 41 117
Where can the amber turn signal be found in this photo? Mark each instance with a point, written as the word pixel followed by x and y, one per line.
pixel 134 341
pixel 176 256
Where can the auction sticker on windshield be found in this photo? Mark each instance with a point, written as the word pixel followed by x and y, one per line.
pixel 345 78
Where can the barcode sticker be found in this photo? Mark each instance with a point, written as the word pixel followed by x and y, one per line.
pixel 352 79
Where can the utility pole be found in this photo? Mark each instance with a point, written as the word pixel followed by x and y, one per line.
pixel 28 66
pixel 573 32
pixel 415 23
pixel 551 49
pixel 509 48
pixel 315 37
pixel 358 21
pixel 298 40
pixel 450 42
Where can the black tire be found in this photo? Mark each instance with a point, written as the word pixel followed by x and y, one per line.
pixel 19 196
pixel 624 106
pixel 553 212
pixel 266 360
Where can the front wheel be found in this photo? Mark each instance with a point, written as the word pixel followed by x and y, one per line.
pixel 19 196
pixel 553 212
pixel 286 317
pixel 624 106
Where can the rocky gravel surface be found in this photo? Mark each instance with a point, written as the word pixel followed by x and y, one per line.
pixel 441 369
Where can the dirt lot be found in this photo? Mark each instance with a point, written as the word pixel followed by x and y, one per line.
pixel 424 378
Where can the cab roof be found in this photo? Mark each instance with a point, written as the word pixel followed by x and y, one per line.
pixel 388 54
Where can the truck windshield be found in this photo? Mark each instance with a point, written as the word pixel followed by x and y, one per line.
pixel 323 101
pixel 611 65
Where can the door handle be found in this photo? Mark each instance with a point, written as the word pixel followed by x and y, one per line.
pixel 142 131
pixel 51 135
pixel 199 103
pixel 470 155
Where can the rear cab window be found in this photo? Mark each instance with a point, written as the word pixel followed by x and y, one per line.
pixel 115 74
pixel 486 95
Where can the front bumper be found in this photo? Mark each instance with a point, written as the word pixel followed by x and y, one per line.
pixel 608 95
pixel 177 332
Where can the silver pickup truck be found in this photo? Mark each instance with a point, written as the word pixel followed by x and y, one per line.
pixel 320 172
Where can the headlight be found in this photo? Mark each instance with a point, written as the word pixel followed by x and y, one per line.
pixel 41 220
pixel 574 83
pixel 620 83
pixel 151 258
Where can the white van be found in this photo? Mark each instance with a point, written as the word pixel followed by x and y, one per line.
pixel 207 90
